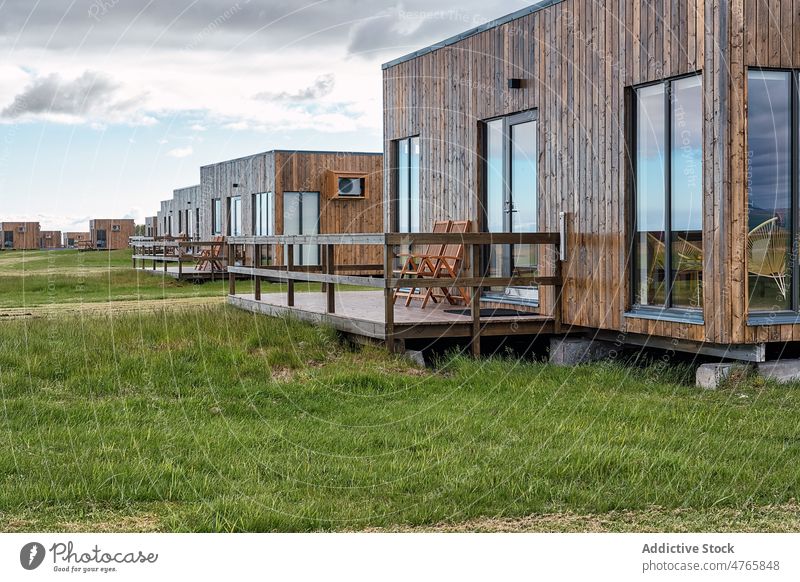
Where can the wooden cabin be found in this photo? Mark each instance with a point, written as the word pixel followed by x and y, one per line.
pixel 666 132
pixel 296 192
pixel 50 239
pixel 186 204
pixel 164 219
pixel 77 240
pixel 111 234
pixel 180 215
pixel 151 226
pixel 20 236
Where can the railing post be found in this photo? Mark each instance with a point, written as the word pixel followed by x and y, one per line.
pixel 289 282
pixel 388 295
pixel 257 265
pixel 475 302
pixel 231 276
pixel 557 297
pixel 323 265
pixel 180 261
pixel 330 289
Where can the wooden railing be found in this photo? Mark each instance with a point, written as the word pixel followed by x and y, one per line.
pixel 170 251
pixel 471 275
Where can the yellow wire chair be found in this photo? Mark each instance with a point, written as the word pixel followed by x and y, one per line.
pixel 690 261
pixel 767 246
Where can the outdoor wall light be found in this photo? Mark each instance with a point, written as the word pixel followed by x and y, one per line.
pixel 515 83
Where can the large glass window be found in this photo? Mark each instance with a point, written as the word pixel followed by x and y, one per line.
pixel 511 198
pixel 668 157
pixel 263 213
pixel 216 216
pixel 769 187
pixel 301 216
pixel 408 166
pixel 235 216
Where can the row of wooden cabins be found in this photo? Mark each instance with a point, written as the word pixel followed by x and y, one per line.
pixel 628 170
pixel 277 192
pixel 103 234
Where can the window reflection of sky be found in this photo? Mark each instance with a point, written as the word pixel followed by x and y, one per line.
pixel 769 126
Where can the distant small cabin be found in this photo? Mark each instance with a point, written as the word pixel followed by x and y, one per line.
pixel 50 239
pixel 111 234
pixel 77 240
pixel 20 236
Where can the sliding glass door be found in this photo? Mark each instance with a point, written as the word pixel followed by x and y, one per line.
pixel 301 216
pixel 511 198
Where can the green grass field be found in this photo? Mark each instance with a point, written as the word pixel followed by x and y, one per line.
pixel 56 277
pixel 220 420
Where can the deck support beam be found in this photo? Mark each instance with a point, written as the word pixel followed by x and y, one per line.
pixel 257 263
pixel 388 299
pixel 330 288
pixel 290 282
pixel 475 303
pixel 231 276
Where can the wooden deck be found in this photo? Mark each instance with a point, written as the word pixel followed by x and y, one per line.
pixel 361 313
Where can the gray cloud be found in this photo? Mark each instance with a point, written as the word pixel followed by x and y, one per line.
pixel 413 25
pixel 91 94
pixel 239 24
pixel 382 35
pixel 51 94
pixel 322 86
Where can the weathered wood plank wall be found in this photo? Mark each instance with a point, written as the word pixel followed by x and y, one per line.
pixel 115 239
pixel 23 241
pixel 289 171
pixel 578 59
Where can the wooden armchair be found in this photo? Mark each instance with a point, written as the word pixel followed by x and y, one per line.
pixel 436 261
pixel 420 264
pixel 210 258
pixel 449 264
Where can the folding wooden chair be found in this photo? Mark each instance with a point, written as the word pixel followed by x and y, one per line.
pixel 209 259
pixel 420 264
pixel 448 265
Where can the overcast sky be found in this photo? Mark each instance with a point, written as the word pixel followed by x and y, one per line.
pixel 107 105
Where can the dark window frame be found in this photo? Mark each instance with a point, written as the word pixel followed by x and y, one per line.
pixel 261 200
pixel 667 311
pixel 216 216
pixel 509 121
pixel 298 258
pixel 791 315
pixel 396 182
pixel 229 211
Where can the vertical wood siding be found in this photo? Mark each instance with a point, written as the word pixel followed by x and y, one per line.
pixel 285 171
pixel 578 59
pixel 23 241
pixel 114 240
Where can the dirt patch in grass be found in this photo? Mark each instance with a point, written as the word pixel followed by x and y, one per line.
pixel 282 374
pixel 108 308
pixel 770 518
pixel 72 519
pixel 131 523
